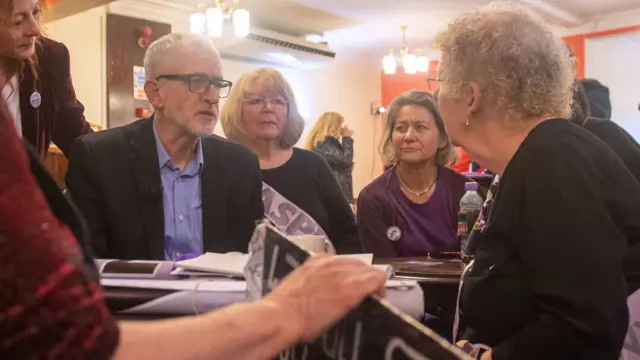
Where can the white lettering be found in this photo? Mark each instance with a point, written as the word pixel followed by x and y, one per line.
pixel 271 281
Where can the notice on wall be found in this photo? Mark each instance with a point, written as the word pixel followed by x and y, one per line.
pixel 138 83
pixel 375 330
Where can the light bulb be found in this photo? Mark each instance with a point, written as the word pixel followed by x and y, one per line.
pixel 409 63
pixel 422 64
pixel 389 64
pixel 241 22
pixel 197 22
pixel 215 22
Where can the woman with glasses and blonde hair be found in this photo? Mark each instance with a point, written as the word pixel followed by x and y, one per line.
pixel 300 193
pixel 411 209
pixel 548 279
pixel 333 140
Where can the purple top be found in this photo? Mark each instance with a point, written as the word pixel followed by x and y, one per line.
pixel 391 225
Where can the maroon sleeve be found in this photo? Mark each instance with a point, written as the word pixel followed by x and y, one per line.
pixel 372 227
pixel 69 119
pixel 48 307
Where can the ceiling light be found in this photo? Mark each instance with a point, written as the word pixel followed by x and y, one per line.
pixel 211 21
pixel 412 62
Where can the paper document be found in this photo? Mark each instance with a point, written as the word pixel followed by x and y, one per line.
pixel 178 285
pixel 228 264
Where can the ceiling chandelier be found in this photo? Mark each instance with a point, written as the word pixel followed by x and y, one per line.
pixel 412 62
pixel 210 21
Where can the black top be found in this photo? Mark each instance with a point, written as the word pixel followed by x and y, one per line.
pixel 307 181
pixel 114 178
pixel 339 156
pixel 547 281
pixel 620 141
pixel 60 116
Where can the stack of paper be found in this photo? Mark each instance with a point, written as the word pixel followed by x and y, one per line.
pixel 232 265
pixel 213 264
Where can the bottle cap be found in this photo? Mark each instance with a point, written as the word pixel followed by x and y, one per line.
pixel 471 186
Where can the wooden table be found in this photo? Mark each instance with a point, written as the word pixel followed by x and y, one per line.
pixel 426 270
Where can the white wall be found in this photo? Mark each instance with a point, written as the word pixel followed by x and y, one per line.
pixel 615 62
pixel 344 86
pixel 83 35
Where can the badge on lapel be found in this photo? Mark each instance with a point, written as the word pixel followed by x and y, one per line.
pixel 35 100
pixel 394 233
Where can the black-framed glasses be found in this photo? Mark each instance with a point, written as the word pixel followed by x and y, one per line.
pixel 432 83
pixel 200 83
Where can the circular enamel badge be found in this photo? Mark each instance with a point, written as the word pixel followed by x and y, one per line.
pixel 35 100
pixel 393 233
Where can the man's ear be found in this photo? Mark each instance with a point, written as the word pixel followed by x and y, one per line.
pixel 152 89
pixel 474 100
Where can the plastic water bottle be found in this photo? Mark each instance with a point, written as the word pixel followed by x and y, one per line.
pixel 470 207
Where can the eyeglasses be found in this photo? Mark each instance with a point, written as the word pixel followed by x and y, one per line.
pixel 432 83
pixel 262 103
pixel 200 83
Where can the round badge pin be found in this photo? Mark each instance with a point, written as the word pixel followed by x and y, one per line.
pixel 394 233
pixel 35 99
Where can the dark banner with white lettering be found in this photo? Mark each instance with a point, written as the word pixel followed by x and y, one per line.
pixel 372 331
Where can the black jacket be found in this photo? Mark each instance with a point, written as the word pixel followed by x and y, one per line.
pixel 114 178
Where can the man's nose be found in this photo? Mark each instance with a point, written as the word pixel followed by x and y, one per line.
pixel 211 95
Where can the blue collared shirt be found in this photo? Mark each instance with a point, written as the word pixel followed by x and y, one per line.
pixel 182 203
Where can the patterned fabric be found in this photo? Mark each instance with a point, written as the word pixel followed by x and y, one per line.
pixel 48 307
pixel 340 159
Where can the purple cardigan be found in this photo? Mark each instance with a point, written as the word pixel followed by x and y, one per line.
pixel 391 225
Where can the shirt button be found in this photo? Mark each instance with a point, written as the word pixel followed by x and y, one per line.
pixel 178 254
pixel 181 217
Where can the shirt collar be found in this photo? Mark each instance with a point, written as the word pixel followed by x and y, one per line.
pixel 165 160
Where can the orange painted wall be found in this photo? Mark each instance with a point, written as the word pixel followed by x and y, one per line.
pixel 396 84
pixel 578 43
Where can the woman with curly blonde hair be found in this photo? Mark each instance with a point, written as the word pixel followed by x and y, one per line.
pixel 548 278
pixel 334 142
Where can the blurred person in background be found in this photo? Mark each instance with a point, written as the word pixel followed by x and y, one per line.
pixel 618 139
pixel 52 306
pixel 35 79
pixel 547 281
pixel 332 139
pixel 262 114
pixel 412 209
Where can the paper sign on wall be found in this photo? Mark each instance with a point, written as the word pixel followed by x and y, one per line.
pixel 138 83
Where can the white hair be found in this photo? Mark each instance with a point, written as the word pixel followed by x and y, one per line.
pixel 160 49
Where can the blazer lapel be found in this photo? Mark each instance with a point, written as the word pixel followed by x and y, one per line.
pixel 30 115
pixel 214 188
pixel 144 159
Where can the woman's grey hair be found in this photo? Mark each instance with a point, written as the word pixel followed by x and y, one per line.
pixel 521 67
pixel 445 155
pixel 265 79
pixel 163 48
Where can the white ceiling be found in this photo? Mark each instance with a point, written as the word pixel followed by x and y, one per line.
pixel 371 27
pixel 378 22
